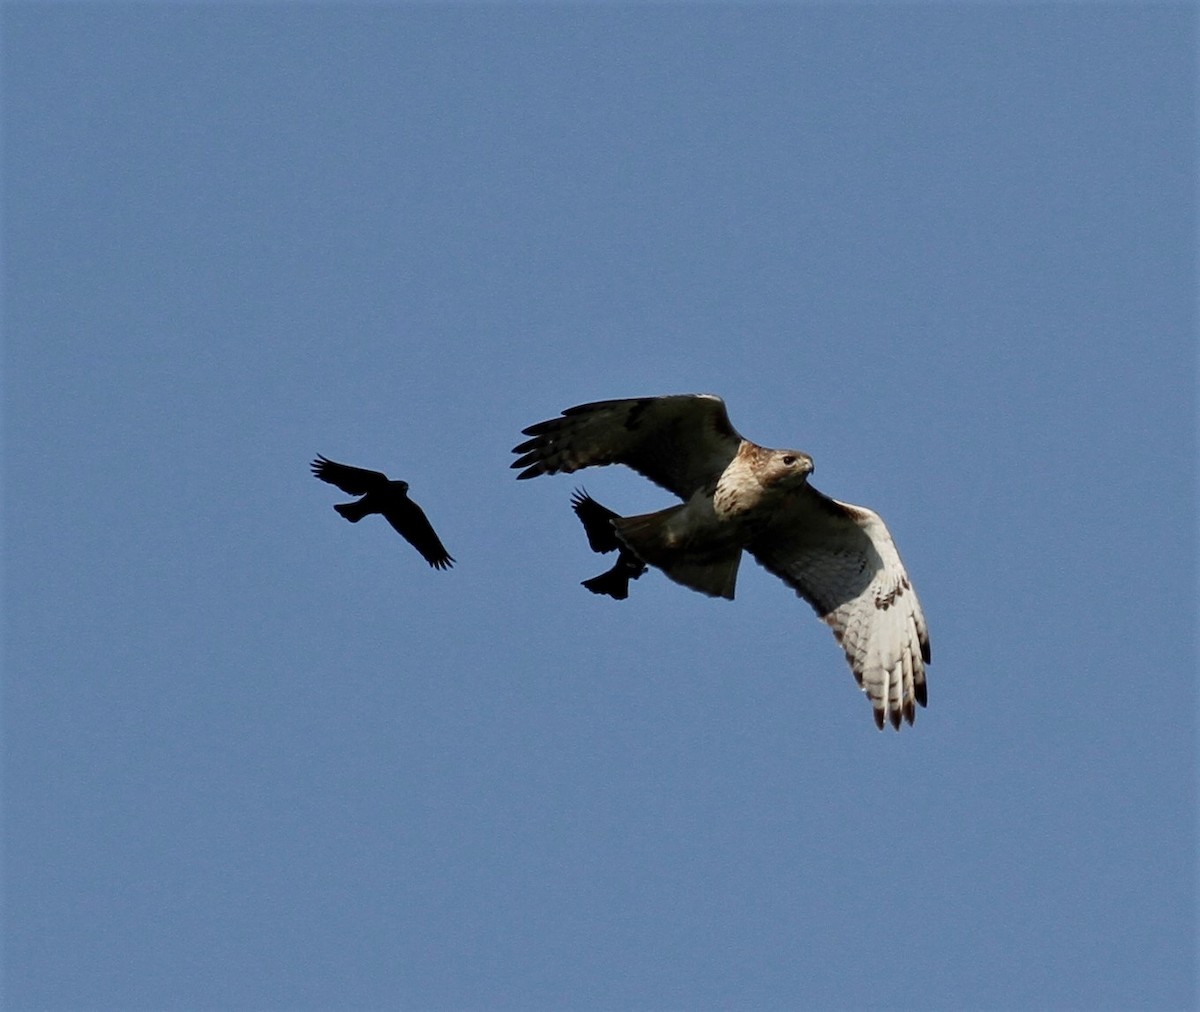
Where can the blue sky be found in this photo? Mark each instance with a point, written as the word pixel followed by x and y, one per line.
pixel 255 757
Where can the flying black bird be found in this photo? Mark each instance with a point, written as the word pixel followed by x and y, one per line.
pixel 597 523
pixel 382 495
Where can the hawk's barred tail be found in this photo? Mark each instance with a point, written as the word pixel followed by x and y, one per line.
pixel 648 537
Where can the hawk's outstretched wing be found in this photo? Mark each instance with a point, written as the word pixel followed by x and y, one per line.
pixel 354 480
pixel 682 442
pixel 841 560
pixel 411 523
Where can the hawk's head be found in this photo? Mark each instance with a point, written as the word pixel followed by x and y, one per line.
pixel 785 469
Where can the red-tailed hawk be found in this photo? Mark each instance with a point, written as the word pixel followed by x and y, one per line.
pixel 738 495
pixel 382 495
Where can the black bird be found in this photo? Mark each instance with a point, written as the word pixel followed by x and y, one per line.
pixel 382 495
pixel 597 522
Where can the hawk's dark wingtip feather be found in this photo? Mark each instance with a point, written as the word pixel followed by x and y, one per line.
pixel 921 693
pixel 532 457
pixel 537 428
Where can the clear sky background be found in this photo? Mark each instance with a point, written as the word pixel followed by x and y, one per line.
pixel 256 757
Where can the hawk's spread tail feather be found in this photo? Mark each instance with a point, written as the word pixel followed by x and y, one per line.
pixel 650 538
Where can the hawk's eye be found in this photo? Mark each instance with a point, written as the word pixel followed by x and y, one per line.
pixel 789 460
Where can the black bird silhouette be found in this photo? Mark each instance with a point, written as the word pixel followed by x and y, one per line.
pixel 597 522
pixel 382 495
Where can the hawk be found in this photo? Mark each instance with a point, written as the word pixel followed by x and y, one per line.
pixel 597 523
pixel 382 495
pixel 739 496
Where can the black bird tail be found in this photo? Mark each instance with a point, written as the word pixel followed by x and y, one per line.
pixel 352 511
pixel 614 583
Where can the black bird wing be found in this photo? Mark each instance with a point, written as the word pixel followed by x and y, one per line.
pixel 682 441
pixel 354 480
pixel 597 522
pixel 413 525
